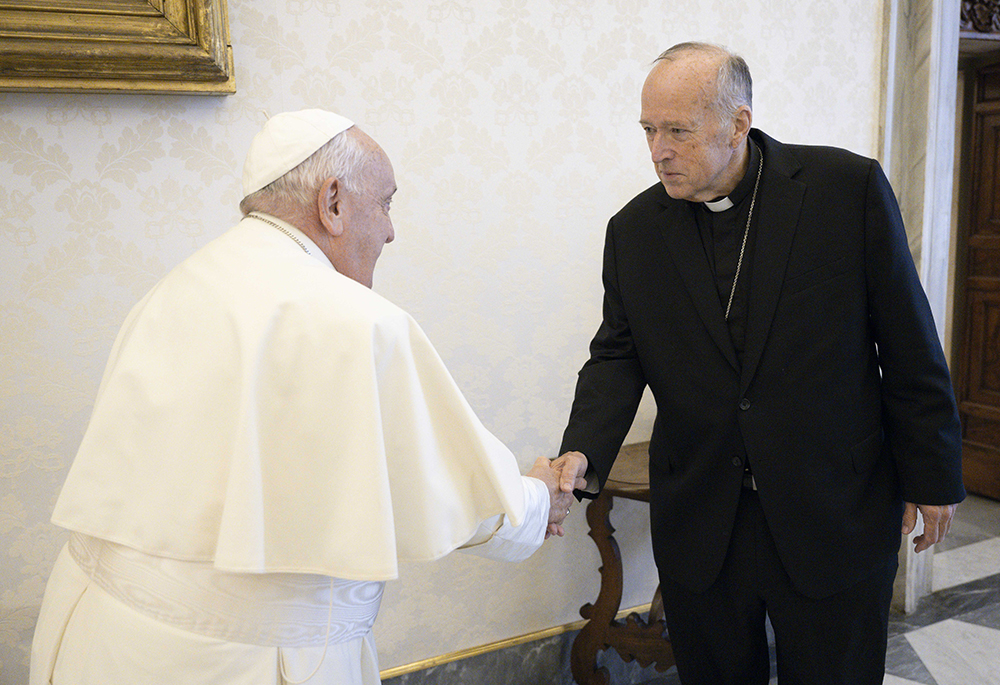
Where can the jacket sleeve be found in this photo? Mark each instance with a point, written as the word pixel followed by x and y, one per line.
pixel 920 416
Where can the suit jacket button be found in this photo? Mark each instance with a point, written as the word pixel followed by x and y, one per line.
pixel 744 404
pixel 737 461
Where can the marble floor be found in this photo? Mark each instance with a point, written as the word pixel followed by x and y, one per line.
pixel 954 636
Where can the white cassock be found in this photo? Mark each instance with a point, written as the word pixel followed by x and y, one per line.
pixel 269 439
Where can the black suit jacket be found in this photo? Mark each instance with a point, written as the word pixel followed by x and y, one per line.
pixel 843 405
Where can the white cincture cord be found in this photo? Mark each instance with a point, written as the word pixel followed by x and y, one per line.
pixel 322 658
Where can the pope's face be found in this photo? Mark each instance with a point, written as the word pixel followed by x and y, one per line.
pixel 368 226
pixel 693 151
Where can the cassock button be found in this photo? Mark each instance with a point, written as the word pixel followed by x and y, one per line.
pixel 744 404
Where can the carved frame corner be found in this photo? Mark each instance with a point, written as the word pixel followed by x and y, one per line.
pixel 114 46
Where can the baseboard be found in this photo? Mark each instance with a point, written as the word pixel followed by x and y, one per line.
pixel 507 645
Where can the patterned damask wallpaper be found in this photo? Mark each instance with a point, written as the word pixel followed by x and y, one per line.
pixel 512 128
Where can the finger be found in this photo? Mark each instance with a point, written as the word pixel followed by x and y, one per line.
pixel 558 514
pixel 935 524
pixel 947 524
pixel 937 530
pixel 935 527
pixel 567 478
pixel 577 472
pixel 924 540
pixel 909 518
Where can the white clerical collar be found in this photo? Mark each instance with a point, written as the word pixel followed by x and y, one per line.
pixel 742 188
pixel 304 241
pixel 719 205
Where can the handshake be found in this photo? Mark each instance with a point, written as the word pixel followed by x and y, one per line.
pixel 561 476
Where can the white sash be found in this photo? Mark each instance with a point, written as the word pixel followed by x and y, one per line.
pixel 268 609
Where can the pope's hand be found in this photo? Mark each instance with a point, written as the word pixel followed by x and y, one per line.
pixel 559 501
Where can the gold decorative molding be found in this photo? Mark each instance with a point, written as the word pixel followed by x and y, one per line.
pixel 496 646
pixel 145 46
pixel 980 16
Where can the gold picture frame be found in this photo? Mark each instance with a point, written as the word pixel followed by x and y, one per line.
pixel 113 46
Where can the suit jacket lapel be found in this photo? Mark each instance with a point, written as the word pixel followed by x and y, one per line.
pixel 680 233
pixel 779 202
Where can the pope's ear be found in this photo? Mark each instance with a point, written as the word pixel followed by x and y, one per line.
pixel 331 206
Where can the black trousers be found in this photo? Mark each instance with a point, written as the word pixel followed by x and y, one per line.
pixel 719 636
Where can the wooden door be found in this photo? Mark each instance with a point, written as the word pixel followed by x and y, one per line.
pixel 978 382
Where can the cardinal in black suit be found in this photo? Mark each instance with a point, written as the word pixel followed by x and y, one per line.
pixel 766 295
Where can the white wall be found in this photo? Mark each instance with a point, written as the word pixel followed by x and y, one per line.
pixel 512 128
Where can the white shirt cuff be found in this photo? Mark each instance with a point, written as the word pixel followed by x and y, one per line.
pixel 515 543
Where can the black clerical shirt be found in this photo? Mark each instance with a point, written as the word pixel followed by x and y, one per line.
pixel 722 237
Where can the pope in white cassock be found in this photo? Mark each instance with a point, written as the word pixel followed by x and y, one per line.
pixel 269 439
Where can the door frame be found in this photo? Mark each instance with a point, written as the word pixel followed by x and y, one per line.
pixel 917 149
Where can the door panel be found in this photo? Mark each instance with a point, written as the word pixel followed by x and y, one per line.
pixel 978 383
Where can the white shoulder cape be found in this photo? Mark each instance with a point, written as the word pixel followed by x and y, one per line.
pixel 265 413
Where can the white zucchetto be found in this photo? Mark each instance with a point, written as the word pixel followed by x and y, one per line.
pixel 287 140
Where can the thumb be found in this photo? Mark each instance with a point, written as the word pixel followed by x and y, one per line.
pixel 568 479
pixel 909 518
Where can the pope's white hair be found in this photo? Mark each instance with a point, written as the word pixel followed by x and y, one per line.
pixel 343 158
